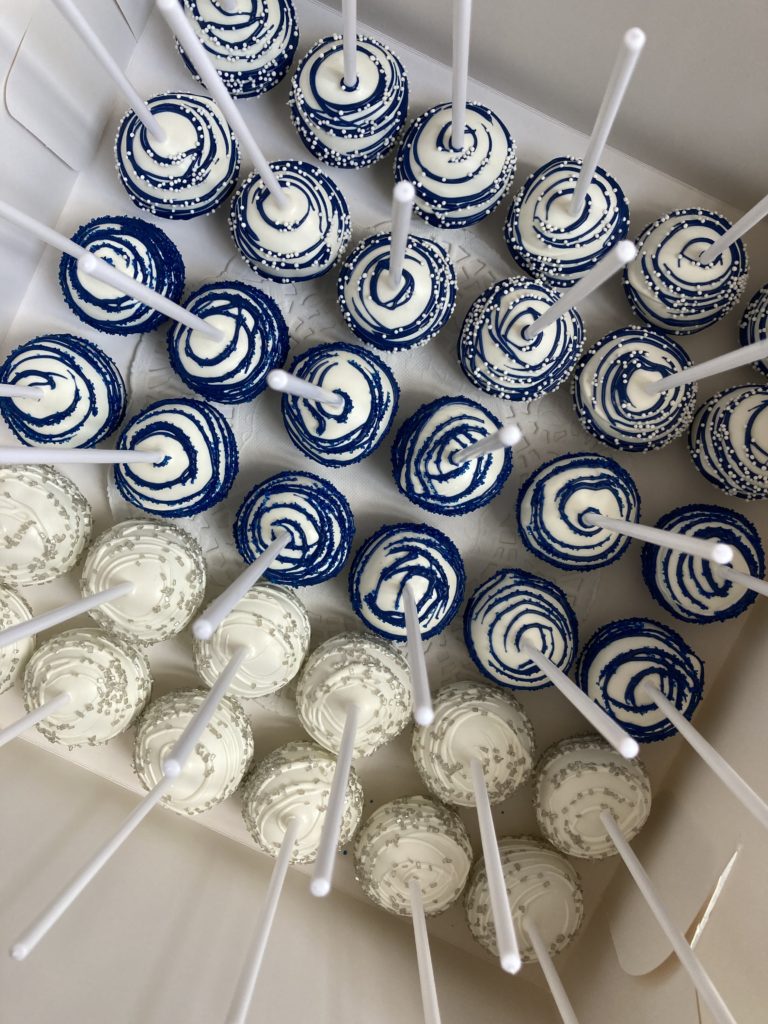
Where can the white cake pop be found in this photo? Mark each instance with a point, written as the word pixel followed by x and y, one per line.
pixel 13 657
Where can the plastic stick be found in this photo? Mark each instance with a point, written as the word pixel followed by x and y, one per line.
pixel 21 630
pixel 734 233
pixel 27 721
pixel 403 196
pixel 53 238
pixel 423 956
pixel 290 384
pixel 21 391
pixel 462 17
pixel 206 624
pixel 556 987
pixel 506 437
pixel 50 456
pixel 619 256
pixel 744 793
pixel 629 51
pixel 195 51
pixel 594 714
pixel 506 939
pixel 749 582
pixel 720 364
pixel 238 1011
pixel 423 711
pixel 712 551
pixel 349 41
pixel 688 959
pixel 329 837
pixel 113 69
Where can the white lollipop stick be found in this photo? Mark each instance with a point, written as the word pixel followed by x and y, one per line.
pixel 241 1003
pixel 556 987
pixel 194 49
pixel 712 551
pixel 506 939
pixel 688 959
pixel 597 718
pixel 423 956
pixel 50 456
pixel 107 61
pixel 47 620
pixel 749 582
pixel 423 711
pixel 462 17
pixel 744 793
pixel 186 743
pixel 734 233
pixel 322 876
pixel 53 238
pixel 506 437
pixel 629 51
pixel 619 256
pixel 290 384
pixel 27 721
pixel 720 364
pixel 349 40
pixel 403 196
pixel 205 625
pixel 21 391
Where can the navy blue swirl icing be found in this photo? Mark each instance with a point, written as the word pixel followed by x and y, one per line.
pixel 496 357
pixel 188 174
pixel 555 500
pixel 609 390
pixel 254 341
pixel 136 247
pixel 83 393
pixel 396 319
pixel 728 440
pixel 690 588
pixel 514 608
pixel 395 555
pixel 546 241
pixel 425 445
pixel 301 244
pixel 753 326
pixel 624 655
pixel 456 188
pixel 252 48
pixel 343 126
pixel 666 284
pixel 199 459
pixel 314 514
pixel 336 436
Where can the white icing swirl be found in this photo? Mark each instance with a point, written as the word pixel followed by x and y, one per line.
pixel 729 441
pixel 13 657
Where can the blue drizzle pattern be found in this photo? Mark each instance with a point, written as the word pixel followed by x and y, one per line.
pixel 554 500
pixel 689 588
pixel 136 247
pixel 623 655
pixel 392 557
pixel 422 455
pixel 316 516
pixel 83 392
pixel 668 287
pixel 514 608
pixel 199 458
pixel 254 341
pixel 496 357
pixel 188 174
pixel 728 441
pixel 753 326
pixel 389 319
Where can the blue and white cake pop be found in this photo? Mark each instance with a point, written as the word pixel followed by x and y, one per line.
pixel 691 588
pixel 551 244
pixel 81 393
pixel 624 657
pixel 315 516
pixel 456 188
pixel 669 287
pixel 728 441
pixel 253 340
pixel 341 435
pixel 555 502
pixel 611 390
pixel 349 126
pixel 391 558
pixel 299 243
pixel 197 458
pixel 753 326
pixel 139 249
pixel 251 47
pixel 514 608
pixel 498 359
pixel 188 173
pixel 424 450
